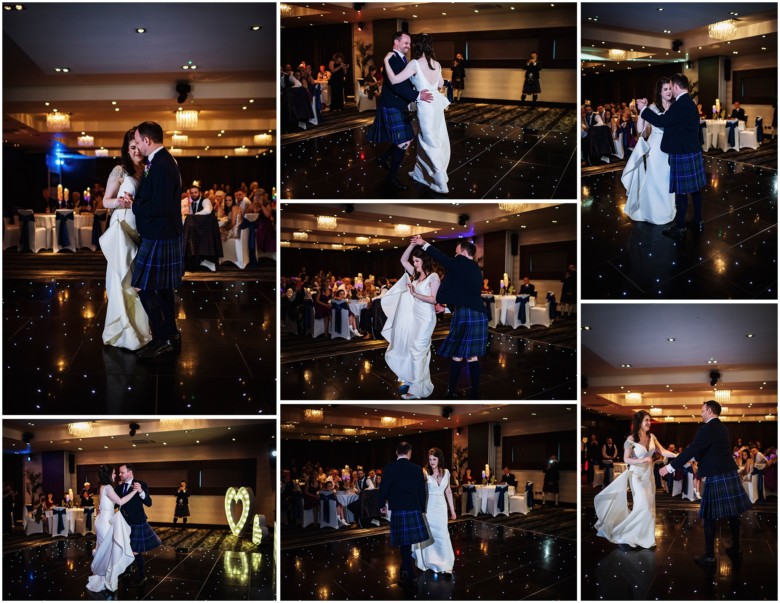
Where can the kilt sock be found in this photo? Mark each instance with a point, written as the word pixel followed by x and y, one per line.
pixel 734 525
pixel 159 306
pixel 406 560
pixel 139 563
pixel 696 207
pixel 710 526
pixel 681 202
pixel 385 157
pixel 475 372
pixel 455 367
pixel 396 157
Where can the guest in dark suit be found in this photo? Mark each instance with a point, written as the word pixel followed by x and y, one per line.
pixel 461 290
pixel 723 494
pixel 182 504
pixel 738 112
pixel 392 123
pixel 142 537
pixel 404 489
pixel 681 142
pixel 527 287
pixel 86 496
pixel 508 478
pixel 159 264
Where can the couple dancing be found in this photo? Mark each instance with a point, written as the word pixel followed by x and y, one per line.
pixel 411 306
pixel 657 189
pixel 723 494
pixel 416 81
pixel 121 537
pixel 417 526
pixel 143 247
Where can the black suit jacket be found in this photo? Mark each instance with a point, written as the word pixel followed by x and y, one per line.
pixel 403 486
pixel 397 96
pixel 462 285
pixel 711 448
pixel 527 289
pixel 680 124
pixel 510 479
pixel 738 114
pixel 133 509
pixel 157 203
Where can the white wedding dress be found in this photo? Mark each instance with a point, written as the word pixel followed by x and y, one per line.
pixel 647 184
pixel 436 553
pixel 112 554
pixel 127 325
pixel 433 142
pixel 618 524
pixel 408 329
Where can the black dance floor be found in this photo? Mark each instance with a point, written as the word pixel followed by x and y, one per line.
pixel 735 257
pixel 53 352
pixel 498 152
pixel 669 571
pixel 516 367
pixel 58 570
pixel 492 562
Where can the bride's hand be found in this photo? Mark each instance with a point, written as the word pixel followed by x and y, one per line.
pixel 453 516
pixel 411 289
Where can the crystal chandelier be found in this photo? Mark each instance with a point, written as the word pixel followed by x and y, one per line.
pixel 388 421
pixel 724 410
pixel 285 10
pixel 57 121
pixel 336 246
pixel 327 222
pixel 633 398
pixel 287 427
pixel 241 151
pixel 723 30
pixel 263 139
pixel 175 151
pixel 513 206
pixel 300 236
pixel 669 419
pixel 171 423
pixel 655 411
pixel 101 152
pixel 403 230
pixel 80 430
pixel 186 119
pixel 180 139
pixel 723 395
pixel 314 415
pixel 349 431
pixel 616 54
pixel 86 141
pixel 362 240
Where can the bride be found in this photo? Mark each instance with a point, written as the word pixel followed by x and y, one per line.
pixel 433 142
pixel 436 553
pixel 647 186
pixel 127 325
pixel 112 554
pixel 616 523
pixel 411 317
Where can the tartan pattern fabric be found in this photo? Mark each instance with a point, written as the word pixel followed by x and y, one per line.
pixel 407 527
pixel 143 538
pixel 723 496
pixel 468 334
pixel 686 173
pixel 390 125
pixel 159 264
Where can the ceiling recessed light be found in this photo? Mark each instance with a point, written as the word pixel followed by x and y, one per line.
pixel 585 327
pixel 750 335
pixel 670 339
pixel 625 366
pixel 256 27
pixel 140 30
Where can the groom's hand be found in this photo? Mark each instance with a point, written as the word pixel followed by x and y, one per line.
pixel 417 240
pixel 137 487
pixel 426 96
pixel 663 471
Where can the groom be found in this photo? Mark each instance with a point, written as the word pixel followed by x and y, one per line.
pixel 392 123
pixel 159 264
pixel 142 537
pixel 723 494
pixel 461 290
pixel 404 489
pixel 681 142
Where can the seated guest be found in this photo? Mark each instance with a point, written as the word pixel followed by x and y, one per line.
pixel 322 307
pixel 759 466
pixel 50 501
pixel 527 287
pixel 75 201
pixel 199 204
pixel 244 204
pixel 86 496
pixel 47 204
pixel 363 482
pixel 330 487
pixel 737 112
pixel 486 286
pixel 229 225
pixel 311 499
pixel 508 478
pixel 468 478
pixel 372 85
pixel 700 109
pixel 745 465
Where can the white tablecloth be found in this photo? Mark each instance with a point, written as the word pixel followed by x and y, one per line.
pixel 619 468
pixel 345 498
pixel 486 493
pixel 49 220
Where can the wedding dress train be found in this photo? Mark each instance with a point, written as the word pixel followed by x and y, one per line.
pixel 436 553
pixel 112 554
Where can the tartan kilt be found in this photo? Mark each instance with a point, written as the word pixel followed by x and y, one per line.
pixel 143 538
pixel 159 264
pixel 468 334
pixel 686 173
pixel 532 87
pixel 390 125
pixel 723 496
pixel 407 527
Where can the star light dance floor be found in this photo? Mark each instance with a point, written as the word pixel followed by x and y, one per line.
pixel 734 258
pixel 498 152
pixel 492 562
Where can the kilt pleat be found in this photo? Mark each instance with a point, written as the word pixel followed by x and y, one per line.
pixel 390 125
pixel 723 496
pixel 686 173
pixel 468 334
pixel 407 527
pixel 159 264
pixel 143 538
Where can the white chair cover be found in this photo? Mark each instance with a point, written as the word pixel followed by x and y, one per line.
pixel 85 232
pixel 493 501
pixel 723 138
pixel 54 521
pixel 469 490
pixel 751 488
pixel 308 517
pixel 515 322
pixel 517 504
pixel 344 333
pixel 598 477
pixel 748 139
pixel 677 487
pixel 332 520
pixel 620 152
pixel 69 226
pixel 688 493
pixel 493 316
pixel 10 232
pixel 33 527
pixel 540 315
pixel 362 100
pixel 40 237
pixel 705 135
pixel 87 517
pixel 237 250
pixel 319 327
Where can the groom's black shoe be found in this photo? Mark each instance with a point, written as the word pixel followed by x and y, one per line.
pixel 396 184
pixel 140 582
pixel 697 227
pixel 176 339
pixel 382 162
pixel 704 561
pixel 735 554
pixel 140 351
pixel 165 348
pixel 677 234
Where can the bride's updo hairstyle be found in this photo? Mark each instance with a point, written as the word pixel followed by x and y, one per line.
pixel 437 452
pixel 659 102
pixel 127 163
pixel 422 44
pixel 104 474
pixel 637 424
pixel 427 262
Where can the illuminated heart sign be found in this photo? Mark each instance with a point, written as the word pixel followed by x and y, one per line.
pixel 247 499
